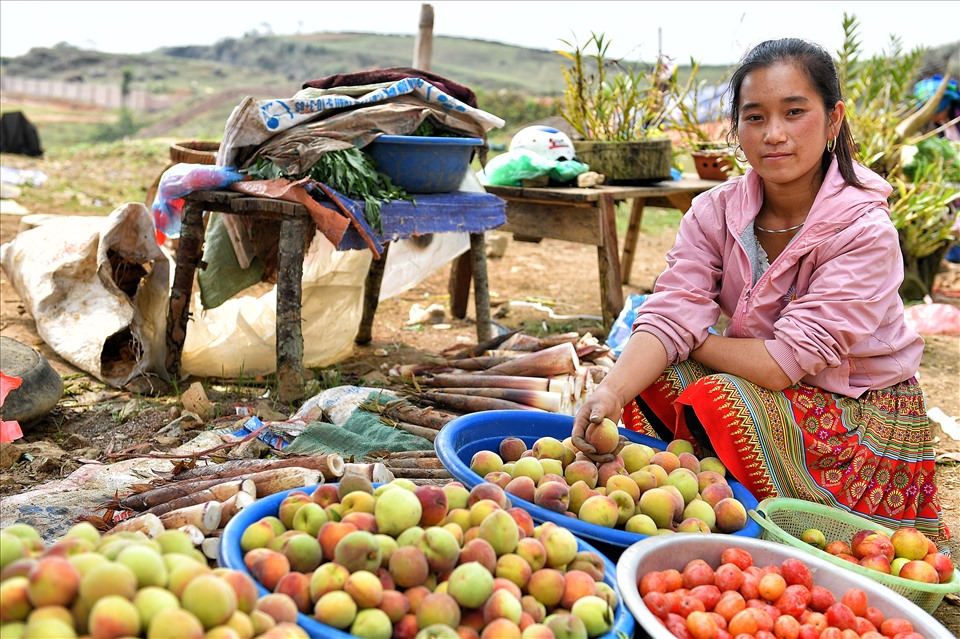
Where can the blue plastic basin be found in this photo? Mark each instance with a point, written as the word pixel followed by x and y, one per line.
pixel 421 164
pixel 462 437
pixel 230 555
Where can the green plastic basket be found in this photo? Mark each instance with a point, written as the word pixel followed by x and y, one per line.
pixel 783 520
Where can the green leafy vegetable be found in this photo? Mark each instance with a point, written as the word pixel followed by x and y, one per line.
pixel 349 171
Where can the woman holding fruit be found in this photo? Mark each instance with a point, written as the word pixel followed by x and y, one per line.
pixel 811 392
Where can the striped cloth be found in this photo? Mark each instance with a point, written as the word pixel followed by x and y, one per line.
pixel 872 456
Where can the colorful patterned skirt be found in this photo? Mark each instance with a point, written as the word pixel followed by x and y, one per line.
pixel 871 455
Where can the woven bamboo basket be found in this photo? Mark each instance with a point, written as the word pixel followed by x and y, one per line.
pixel 194 152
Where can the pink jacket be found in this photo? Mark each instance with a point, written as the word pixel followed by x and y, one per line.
pixel 828 307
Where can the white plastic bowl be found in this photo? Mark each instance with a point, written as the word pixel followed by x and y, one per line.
pixel 674 551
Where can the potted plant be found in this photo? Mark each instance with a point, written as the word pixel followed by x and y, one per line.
pixel 618 109
pixel 884 120
pixel 699 124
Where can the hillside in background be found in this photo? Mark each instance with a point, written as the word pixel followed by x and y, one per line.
pixel 198 86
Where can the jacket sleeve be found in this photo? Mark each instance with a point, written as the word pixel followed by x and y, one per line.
pixel 853 287
pixel 683 305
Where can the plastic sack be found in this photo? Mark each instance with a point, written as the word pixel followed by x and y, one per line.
pixel 179 181
pixel 623 327
pixel 509 168
pixel 933 319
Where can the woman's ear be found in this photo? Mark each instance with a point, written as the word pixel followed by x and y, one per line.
pixel 836 118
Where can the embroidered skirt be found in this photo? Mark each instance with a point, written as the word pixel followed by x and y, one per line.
pixel 872 455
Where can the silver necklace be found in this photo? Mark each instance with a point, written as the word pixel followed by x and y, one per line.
pixel 763 230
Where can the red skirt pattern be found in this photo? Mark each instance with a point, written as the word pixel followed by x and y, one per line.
pixel 872 456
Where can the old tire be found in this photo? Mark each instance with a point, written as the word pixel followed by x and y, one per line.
pixel 40 389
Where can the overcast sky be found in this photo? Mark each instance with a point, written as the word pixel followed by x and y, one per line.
pixel 716 32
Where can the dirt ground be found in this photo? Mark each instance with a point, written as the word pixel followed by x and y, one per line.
pixel 94 422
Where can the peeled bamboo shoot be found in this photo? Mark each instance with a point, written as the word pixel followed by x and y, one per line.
pixel 472 403
pixel 148 524
pixel 205 516
pixel 544 400
pixel 468 380
pixel 556 360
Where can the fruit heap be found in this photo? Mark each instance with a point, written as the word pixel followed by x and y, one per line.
pixel 740 599
pixel 641 490
pixel 403 561
pixel 127 584
pixel 907 553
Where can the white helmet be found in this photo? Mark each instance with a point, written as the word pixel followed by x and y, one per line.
pixel 545 140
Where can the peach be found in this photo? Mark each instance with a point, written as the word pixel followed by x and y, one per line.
pixel 289 506
pixel 174 622
pixel 645 480
pixel 875 544
pixel 357 550
pixel 281 608
pixel 267 568
pixel 838 547
pixel 14 599
pixel 713 464
pixel 485 461
pixel 499 477
pixel 548 448
pixel 910 543
pixel 685 480
pixel 515 568
pixel 408 566
pixel 583 470
pixel 658 472
pixel 149 601
pixel 553 495
pixel 309 518
pixel 565 624
pixel 457 495
pixel 325 494
pixel 433 504
pixel 579 493
pixel 523 520
pixel 814 537
pixel 243 586
pixel 660 505
pixel 352 482
pixel 609 469
pixel 528 467
pixel 560 544
pixel 641 524
pixel 666 460
pixel 596 614
pixel 395 604
pixel 53 581
pixel 511 448
pixel 877 562
pixel 210 598
pixel 626 505
pixel 371 622
pixel 604 437
pixel 365 588
pixel 502 604
pixel 600 510
pixel 501 531
pixel 470 584
pixel 442 549
pixel 438 608
pixel 942 565
pixel 713 493
pixel 113 616
pixel 116 579
pixel 330 534
pixel 689 461
pixel 635 456
pixel 522 487
pixel 335 608
pixel 485 490
pixel 731 515
pixel 305 553
pixel 501 628
pixel 297 586
pixel 919 570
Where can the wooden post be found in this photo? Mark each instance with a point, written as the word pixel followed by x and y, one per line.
pixel 293 230
pixel 481 291
pixel 371 297
pixel 611 291
pixel 630 242
pixel 423 44
pixel 189 251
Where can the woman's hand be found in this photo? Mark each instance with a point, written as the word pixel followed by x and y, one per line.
pixel 600 404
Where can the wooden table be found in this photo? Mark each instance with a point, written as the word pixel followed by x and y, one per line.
pixel 588 216
pixel 294 229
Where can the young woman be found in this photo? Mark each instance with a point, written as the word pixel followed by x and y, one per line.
pixel 811 392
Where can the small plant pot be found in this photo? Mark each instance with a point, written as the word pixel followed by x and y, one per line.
pixel 713 164
pixel 632 162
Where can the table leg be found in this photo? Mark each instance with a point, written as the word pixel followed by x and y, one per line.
pixel 458 286
pixel 371 297
pixel 630 241
pixel 290 385
pixel 481 287
pixel 608 257
pixel 189 251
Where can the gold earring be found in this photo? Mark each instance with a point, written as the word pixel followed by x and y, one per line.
pixel 737 150
pixel 831 145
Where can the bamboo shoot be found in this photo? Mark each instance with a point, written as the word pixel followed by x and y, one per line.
pixel 219 492
pixel 556 360
pixel 235 504
pixel 195 534
pixel 375 472
pixel 544 400
pixel 420 431
pixel 472 403
pixel 150 525
pixel 467 380
pixel 331 465
pixel 209 546
pixel 205 516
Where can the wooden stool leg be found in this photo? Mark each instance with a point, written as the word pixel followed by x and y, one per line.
pixel 189 252
pixel 630 241
pixel 481 289
pixel 289 299
pixel 608 256
pixel 371 297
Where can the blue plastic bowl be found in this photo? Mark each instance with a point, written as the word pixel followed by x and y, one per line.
pixel 230 555
pixel 462 437
pixel 420 164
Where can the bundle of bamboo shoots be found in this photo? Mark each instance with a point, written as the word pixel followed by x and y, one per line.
pixel 518 372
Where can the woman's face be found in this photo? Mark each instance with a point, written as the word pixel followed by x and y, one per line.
pixel 783 126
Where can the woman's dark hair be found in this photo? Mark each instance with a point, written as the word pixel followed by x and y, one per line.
pixel 820 69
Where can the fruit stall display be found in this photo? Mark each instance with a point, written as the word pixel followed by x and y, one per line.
pixel 645 491
pixel 902 559
pixel 402 560
pixel 697 586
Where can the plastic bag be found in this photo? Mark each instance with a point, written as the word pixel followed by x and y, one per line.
pixel 623 327
pixel 508 169
pixel 179 181
pixel 933 319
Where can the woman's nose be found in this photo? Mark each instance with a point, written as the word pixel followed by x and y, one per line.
pixel 774 132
